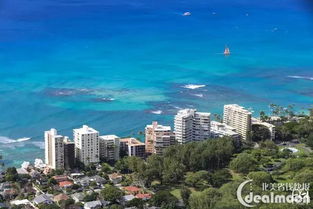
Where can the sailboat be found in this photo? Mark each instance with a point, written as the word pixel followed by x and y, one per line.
pixel 226 51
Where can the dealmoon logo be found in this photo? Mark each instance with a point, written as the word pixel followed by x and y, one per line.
pixel 239 193
pixel 299 195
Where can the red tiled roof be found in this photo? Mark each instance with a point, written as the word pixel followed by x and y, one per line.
pixel 143 196
pixel 132 189
pixel 60 178
pixel 65 183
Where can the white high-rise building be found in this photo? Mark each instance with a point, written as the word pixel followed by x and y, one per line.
pixel 191 125
pixel 109 147
pixel 158 137
pixel 238 117
pixel 86 145
pixel 54 149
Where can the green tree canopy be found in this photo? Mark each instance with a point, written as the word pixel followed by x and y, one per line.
pixel 111 193
pixel 164 199
pixel 205 200
pixel 243 163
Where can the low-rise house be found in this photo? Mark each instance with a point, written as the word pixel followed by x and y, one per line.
pixel 47 170
pixel 98 179
pixel 42 181
pixel 20 202
pixel 84 181
pixel 28 189
pixel 132 190
pixel 4 186
pixel 143 196
pixel 126 198
pixel 115 178
pixel 34 174
pixel 93 204
pixel 26 204
pixel 9 194
pixel 77 175
pixel 21 171
pixel 43 199
pixel 7 191
pixel 65 184
pixel 60 197
pixel 78 197
pixel 60 178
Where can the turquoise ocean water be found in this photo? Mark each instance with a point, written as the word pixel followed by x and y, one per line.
pixel 116 65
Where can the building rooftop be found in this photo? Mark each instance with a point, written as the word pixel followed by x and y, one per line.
pixel 132 189
pixel 158 127
pixel 128 197
pixel 60 197
pixel 108 137
pixel 115 176
pixel 85 130
pixel 42 198
pixel 237 107
pixel 20 202
pixel 60 178
pixel 186 112
pixel 65 183
pixel 204 113
pixel 132 141
pixel 93 204
pixel 143 196
pixel 222 129
pixel 78 196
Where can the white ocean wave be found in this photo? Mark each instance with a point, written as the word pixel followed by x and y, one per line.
pixel 7 140
pixel 23 139
pixel 157 112
pixel 41 145
pixel 193 86
pixel 300 77
pixel 198 95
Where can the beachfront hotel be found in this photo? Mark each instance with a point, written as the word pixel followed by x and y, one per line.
pixel 109 147
pixel 54 149
pixel 86 145
pixel 158 137
pixel 191 125
pixel 238 117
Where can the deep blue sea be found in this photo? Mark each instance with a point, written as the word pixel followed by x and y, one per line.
pixel 116 65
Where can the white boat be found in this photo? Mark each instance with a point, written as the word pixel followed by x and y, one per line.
pixel 187 14
pixel 226 51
